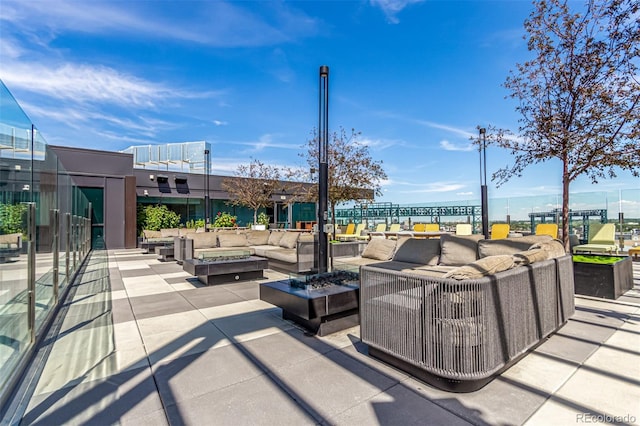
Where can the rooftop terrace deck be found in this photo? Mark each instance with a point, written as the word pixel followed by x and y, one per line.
pixel 142 342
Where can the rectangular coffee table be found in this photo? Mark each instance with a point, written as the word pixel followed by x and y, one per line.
pixel 214 271
pixel 322 310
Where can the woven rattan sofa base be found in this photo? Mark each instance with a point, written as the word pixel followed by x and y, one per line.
pixel 459 335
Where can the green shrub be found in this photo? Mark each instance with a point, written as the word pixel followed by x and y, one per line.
pixel 263 219
pixel 225 220
pixel 155 218
pixel 11 218
pixel 194 224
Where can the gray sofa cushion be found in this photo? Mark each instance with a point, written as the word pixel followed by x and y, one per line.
pixel 232 240
pixel 458 250
pixel 289 240
pixel 379 249
pixel 509 245
pixel 257 238
pixel 424 251
pixel 482 267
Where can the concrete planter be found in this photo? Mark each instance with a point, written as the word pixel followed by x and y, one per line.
pixel 606 281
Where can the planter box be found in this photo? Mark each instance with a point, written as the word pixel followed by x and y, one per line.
pixel 606 281
pixel 347 249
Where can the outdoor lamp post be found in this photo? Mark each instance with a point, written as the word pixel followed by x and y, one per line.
pixel 323 168
pixel 206 190
pixel 483 182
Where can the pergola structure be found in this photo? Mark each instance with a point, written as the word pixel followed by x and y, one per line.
pixel 393 212
pixel 554 216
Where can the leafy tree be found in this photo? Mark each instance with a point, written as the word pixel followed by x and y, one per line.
pixel 579 95
pixel 353 174
pixel 253 186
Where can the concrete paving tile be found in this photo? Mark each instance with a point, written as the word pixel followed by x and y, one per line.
pixel 177 274
pixel 556 411
pixel 360 352
pixel 342 339
pixel 134 273
pixel 247 290
pixel 238 308
pixel 244 327
pixel 172 345
pixel 575 342
pixel 180 284
pixel 258 401
pixel 182 321
pixel 124 265
pixel 544 373
pixel 154 418
pixel 587 390
pixel 281 350
pixel 501 402
pixel 397 406
pixel 159 305
pixel 121 311
pixel 207 297
pixel 331 384
pixel 129 394
pixel 193 375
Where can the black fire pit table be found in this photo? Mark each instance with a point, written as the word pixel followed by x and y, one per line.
pixel 322 303
pixel 217 268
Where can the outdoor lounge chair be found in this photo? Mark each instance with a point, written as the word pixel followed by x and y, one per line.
pixel 419 227
pixel 547 229
pixel 499 231
pixel 379 232
pixel 464 229
pixel 428 227
pixel 349 233
pixel 602 239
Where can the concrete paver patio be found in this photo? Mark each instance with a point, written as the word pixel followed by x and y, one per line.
pixel 141 342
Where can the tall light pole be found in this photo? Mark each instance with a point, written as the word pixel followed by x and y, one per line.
pixel 483 182
pixel 323 168
pixel 206 190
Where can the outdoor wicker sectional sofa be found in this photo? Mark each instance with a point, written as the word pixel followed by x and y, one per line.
pixel 286 251
pixel 457 311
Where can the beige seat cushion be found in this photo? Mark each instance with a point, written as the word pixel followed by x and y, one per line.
pixel 147 233
pixel 482 267
pixel 457 250
pixel 289 240
pixel 257 238
pixel 170 232
pixel 283 255
pixel 424 251
pixel 204 240
pixel 232 240
pixel 275 237
pixel 530 256
pixel 379 249
pixel 554 248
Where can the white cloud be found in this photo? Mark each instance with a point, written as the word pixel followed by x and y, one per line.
pixel 465 194
pixel 448 146
pixel 425 188
pixel 264 142
pixel 218 23
pixel 392 7
pixel 220 123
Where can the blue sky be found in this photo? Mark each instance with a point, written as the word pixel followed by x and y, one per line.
pixel 415 77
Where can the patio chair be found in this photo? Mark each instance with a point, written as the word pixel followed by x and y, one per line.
pixel 350 232
pixel 359 228
pixel 547 229
pixel 379 232
pixel 464 229
pixel 602 239
pixel 499 231
pixel 428 227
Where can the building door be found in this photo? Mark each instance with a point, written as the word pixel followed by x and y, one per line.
pixel 96 197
